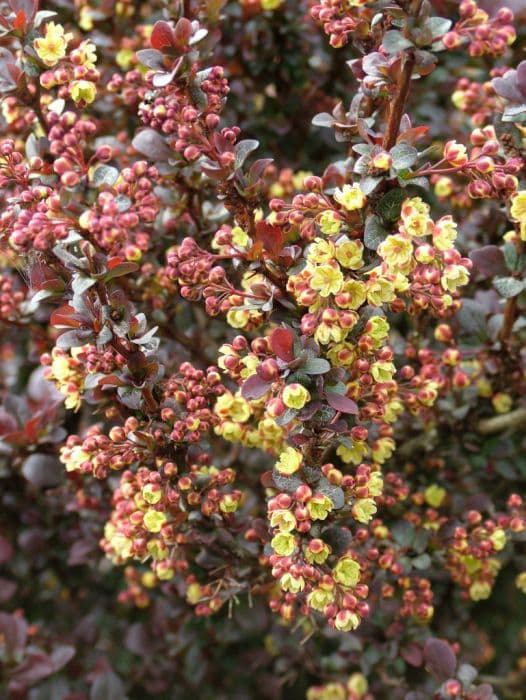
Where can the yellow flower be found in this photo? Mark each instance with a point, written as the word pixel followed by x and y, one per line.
pixel 415 217
pixel 321 597
pixel 317 552
pixel 498 538
pixel 396 250
pixel 73 458
pixel 87 54
pixel 375 485
pixel 291 583
pixel 329 691
pixel 152 493
pixel 330 223
pixel 289 461
pixel 443 187
pixel 380 291
pixel 445 233
pixel 383 449
pixel 346 621
pixel 52 47
pixel 154 520
pixel 327 279
pixel 319 506
pixel 479 590
pixel 363 510
pixel 238 318
pixel 295 396
pixel 382 371
pixel 434 495
pixel 352 453
pixel 194 593
pixel 518 206
pixel 83 91
pixel 239 237
pixel 378 328
pixel 157 550
pixel 392 410
pixel 453 277
pixel 350 197
pixel 350 254
pixel 358 684
pixel 320 251
pixel 352 295
pixel 284 520
pixel 228 503
pixel 283 544
pixel 347 572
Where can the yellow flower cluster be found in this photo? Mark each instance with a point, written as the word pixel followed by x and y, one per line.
pixel 248 423
pixel 67 373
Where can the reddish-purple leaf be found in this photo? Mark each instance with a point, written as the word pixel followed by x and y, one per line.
pixel 282 344
pixel 440 659
pixel 341 403
pixel 488 261
pixel 163 36
pixel 255 387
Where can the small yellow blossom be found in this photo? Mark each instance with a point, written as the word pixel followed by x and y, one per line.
pixel 289 461
pixel 383 449
pixel 321 251
pixel 295 396
pixel 453 277
pixel 154 520
pixel 152 493
pixel 364 509
pixel 293 584
pixel 320 597
pixel 330 223
pixel 284 520
pixel 350 197
pixel 502 403
pixel 353 453
pixel 520 582
pixel 327 279
pixel 445 233
pixel 396 250
pixel 358 685
pixel 434 495
pixel 319 506
pixel 346 621
pixel 347 572
pixel 83 91
pixel 283 544
pixel 350 254
pixel 52 46
pixel 480 590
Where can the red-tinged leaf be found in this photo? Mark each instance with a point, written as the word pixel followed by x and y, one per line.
pixel 119 269
pixel 413 135
pixel 271 236
pixel 28 7
pixel 341 403
pixel 282 344
pixel 267 480
pixel 6 549
pixel 413 655
pixel 183 32
pixel 65 317
pixel 254 387
pixel 440 659
pixel 163 36
pixel 20 20
pixel 488 261
pixel 111 380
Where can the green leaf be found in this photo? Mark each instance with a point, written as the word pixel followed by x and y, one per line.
pixel 243 149
pixel 316 365
pixel 508 287
pixel 403 533
pixel 390 205
pixel 104 175
pixel 403 155
pixel 374 233
pixel 394 42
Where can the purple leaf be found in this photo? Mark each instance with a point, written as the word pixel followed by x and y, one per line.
pixel 282 344
pixel 152 144
pixel 440 659
pixel 488 261
pixel 341 403
pixel 254 387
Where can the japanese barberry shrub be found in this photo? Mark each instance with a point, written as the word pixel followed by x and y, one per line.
pixel 262 394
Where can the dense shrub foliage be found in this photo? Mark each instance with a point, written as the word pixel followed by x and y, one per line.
pixel 262 383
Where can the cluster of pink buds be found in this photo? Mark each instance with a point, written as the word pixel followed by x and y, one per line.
pixel 122 218
pixel 12 298
pixel 486 36
pixel 472 556
pixel 338 17
pixel 193 391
